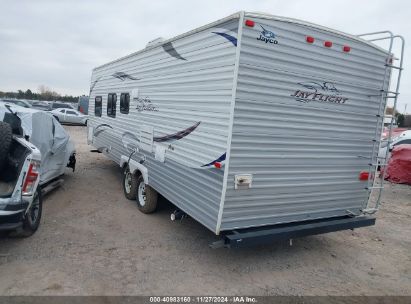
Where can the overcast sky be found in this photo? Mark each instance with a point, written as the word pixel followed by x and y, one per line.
pixel 58 43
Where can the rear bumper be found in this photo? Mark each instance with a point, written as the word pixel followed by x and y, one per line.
pixel 11 221
pixel 12 213
pixel 270 234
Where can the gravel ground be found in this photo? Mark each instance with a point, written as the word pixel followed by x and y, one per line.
pixel 93 241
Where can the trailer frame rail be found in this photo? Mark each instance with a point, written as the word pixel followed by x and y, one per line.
pixel 280 232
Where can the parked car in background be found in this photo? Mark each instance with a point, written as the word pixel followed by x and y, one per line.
pixel 394 133
pixel 401 139
pixel 70 116
pixel 41 105
pixel 21 103
pixel 83 104
pixel 61 105
pixel 34 152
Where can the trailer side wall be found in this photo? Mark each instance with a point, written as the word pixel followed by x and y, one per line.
pixel 181 91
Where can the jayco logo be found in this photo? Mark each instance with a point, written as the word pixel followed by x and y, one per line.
pixel 145 104
pixel 267 36
pixel 320 92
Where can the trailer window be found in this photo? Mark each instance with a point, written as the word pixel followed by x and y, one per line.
pixel 111 104
pixel 124 103
pixel 98 106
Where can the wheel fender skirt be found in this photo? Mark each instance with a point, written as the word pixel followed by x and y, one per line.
pixel 134 166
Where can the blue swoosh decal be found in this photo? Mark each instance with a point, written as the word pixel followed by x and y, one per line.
pixel 169 48
pixel 220 159
pixel 123 76
pixel 230 38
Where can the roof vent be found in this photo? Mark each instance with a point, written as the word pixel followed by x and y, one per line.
pixel 155 42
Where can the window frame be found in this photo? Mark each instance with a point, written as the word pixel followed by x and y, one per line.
pixel 124 97
pixel 111 105
pixel 98 99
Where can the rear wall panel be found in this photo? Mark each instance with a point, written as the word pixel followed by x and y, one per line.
pixel 305 155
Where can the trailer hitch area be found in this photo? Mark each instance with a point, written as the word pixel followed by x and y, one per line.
pixel 178 215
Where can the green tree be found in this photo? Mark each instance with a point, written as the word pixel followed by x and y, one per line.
pixel 28 94
pixel 20 94
pixel 407 121
pixel 400 120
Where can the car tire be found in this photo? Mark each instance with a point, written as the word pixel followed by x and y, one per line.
pixel 146 197
pixel 129 184
pixel 5 142
pixel 86 122
pixel 31 220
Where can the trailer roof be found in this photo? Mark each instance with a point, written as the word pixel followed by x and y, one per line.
pixel 247 14
pixel 209 25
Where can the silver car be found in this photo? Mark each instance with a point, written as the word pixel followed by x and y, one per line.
pixel 70 116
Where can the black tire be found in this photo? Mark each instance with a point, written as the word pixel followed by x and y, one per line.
pixel 148 204
pixel 31 220
pixel 5 142
pixel 129 184
pixel 86 122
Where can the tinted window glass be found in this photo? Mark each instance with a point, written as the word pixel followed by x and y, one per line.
pixel 98 106
pixel 124 103
pixel 71 113
pixel 111 104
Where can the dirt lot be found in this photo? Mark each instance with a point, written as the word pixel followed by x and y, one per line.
pixel 93 241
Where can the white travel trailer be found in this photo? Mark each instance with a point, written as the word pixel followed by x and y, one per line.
pixel 259 127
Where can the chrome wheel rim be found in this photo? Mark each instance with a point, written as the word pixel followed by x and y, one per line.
pixel 142 194
pixel 127 182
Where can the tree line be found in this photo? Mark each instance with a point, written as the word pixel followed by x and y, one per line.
pixel 44 93
pixel 403 120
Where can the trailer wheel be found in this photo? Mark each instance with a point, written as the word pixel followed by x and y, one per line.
pixel 5 141
pixel 146 197
pixel 129 184
pixel 31 221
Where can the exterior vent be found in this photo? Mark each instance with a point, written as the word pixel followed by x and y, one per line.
pixel 155 42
